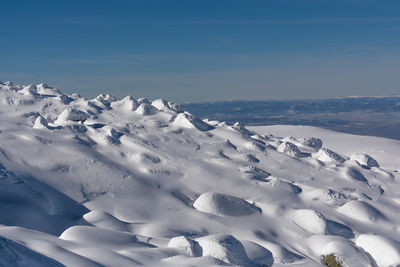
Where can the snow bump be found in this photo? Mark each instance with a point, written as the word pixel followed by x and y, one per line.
pixel 224 247
pixel 221 204
pixel 385 251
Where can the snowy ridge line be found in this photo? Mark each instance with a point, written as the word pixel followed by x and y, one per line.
pixel 126 182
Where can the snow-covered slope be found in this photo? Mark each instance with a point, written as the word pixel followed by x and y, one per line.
pixel 108 182
pixel 385 151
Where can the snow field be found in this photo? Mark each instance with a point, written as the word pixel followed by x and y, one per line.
pixel 108 182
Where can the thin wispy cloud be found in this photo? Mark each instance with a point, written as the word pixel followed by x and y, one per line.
pixel 283 21
pixel 100 61
pixel 331 20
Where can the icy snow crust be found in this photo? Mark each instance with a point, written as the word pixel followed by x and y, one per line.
pixel 108 182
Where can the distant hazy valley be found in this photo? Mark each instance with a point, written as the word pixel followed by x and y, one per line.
pixel 378 116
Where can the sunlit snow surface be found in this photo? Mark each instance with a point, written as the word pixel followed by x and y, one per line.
pixel 107 182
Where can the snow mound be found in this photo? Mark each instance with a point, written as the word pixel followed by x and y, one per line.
pixel 385 251
pixel 105 100
pixel 305 145
pixel 328 196
pixel 40 123
pixel 291 149
pixel 354 173
pixel 283 186
pixel 73 115
pixel 45 89
pixel 228 144
pixel 258 254
pixel 187 120
pixel 220 204
pixel 105 220
pixel 99 237
pixel 225 248
pixel 251 158
pixel 309 220
pixel 344 250
pixel 312 142
pixel 185 245
pixel 162 104
pixel 254 173
pixel 364 159
pixel 146 109
pixel 178 108
pixel 65 99
pixel 360 211
pixel 30 90
pixel 327 155
pixel 128 104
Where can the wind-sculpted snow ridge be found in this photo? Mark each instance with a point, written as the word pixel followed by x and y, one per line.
pixel 108 182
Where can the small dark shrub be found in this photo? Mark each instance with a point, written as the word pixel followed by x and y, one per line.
pixel 331 261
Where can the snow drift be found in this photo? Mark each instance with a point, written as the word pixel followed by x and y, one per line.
pixel 109 182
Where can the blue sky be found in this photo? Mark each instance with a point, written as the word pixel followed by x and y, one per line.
pixel 204 50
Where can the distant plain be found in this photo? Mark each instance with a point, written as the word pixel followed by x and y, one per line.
pixel 375 116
